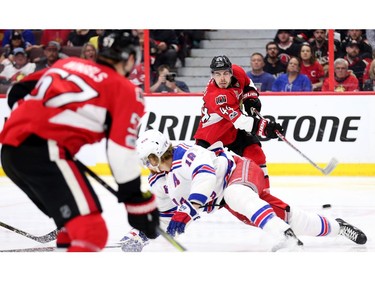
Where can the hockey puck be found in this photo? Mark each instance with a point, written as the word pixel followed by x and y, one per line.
pixel 325 206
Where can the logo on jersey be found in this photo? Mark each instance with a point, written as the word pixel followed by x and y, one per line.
pixel 251 95
pixel 221 99
pixel 284 58
pixel 262 127
pixel 233 115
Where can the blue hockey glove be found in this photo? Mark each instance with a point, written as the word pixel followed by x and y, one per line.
pixel 181 218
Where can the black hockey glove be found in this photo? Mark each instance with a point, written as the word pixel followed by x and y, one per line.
pixel 141 208
pixel 265 128
pixel 252 102
pixel 144 216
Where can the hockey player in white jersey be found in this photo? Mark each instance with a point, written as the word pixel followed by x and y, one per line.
pixel 189 180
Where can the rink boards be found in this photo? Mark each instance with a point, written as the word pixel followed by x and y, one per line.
pixel 321 126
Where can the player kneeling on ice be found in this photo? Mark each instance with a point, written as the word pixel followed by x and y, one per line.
pixel 189 180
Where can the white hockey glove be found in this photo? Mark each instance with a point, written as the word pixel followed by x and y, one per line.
pixel 134 241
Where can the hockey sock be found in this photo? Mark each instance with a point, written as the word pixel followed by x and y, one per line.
pixel 312 224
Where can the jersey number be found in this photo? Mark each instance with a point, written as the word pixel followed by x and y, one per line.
pixel 86 91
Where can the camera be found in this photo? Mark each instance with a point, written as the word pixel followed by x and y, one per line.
pixel 171 77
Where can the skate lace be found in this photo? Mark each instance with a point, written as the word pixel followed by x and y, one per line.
pixel 349 232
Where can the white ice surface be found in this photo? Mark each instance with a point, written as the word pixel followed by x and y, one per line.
pixel 240 251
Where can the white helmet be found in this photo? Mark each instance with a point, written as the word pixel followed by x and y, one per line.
pixel 151 142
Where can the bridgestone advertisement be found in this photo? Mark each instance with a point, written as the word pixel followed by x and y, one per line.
pixel 320 126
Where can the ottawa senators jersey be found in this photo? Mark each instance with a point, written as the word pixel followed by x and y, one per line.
pixel 78 102
pixel 221 109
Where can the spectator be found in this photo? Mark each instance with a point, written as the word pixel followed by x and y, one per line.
pixel 25 35
pixel 261 79
pixel 166 82
pixel 356 64
pixel 94 39
pixel 311 67
pixel 344 79
pixel 51 55
pixel 272 62
pixel 370 35
pixel 166 42
pixel 287 47
pixel 89 51
pixel 369 84
pixel 186 40
pixel 138 41
pixel 193 37
pixel 292 80
pixel 58 35
pixel 137 75
pixel 13 39
pixel 18 69
pixel 79 37
pixel 319 45
pixel 302 35
pixel 366 73
pixel 365 49
pixel 2 32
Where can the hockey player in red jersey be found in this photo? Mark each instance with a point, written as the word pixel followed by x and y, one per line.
pixel 227 117
pixel 58 110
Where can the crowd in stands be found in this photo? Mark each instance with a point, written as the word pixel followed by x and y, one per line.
pixel 25 51
pixel 299 60
pixel 295 60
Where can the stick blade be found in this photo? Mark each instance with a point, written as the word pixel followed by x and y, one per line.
pixel 331 166
pixel 48 237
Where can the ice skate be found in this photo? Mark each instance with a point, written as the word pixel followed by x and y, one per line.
pixel 351 232
pixel 290 243
pixel 134 241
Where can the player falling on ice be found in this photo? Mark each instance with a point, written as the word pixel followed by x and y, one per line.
pixel 190 180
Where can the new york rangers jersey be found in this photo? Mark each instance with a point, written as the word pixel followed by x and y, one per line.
pixel 197 174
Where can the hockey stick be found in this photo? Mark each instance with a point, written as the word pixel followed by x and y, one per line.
pixel 327 170
pixel 41 239
pixel 169 238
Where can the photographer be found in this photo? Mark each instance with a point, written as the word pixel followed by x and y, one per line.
pixel 166 82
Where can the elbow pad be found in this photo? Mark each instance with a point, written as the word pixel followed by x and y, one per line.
pixel 245 123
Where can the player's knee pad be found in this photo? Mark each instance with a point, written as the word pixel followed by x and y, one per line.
pixel 243 200
pixel 88 233
pixel 239 216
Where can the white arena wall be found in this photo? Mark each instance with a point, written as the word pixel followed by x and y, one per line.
pixel 321 126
